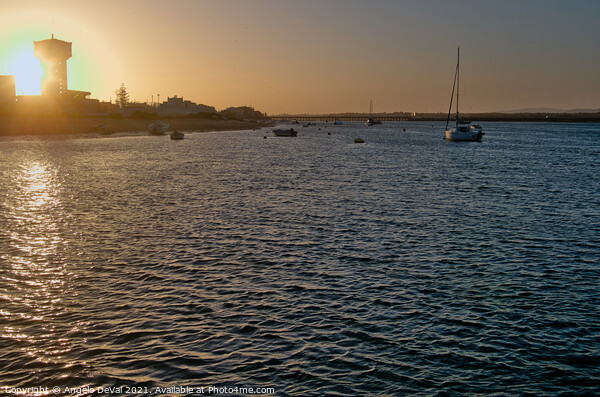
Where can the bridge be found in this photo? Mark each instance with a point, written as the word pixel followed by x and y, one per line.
pixel 341 117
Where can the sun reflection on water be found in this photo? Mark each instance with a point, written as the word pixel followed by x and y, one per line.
pixel 36 278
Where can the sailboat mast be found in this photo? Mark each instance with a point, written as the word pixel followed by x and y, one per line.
pixel 457 83
pixel 452 97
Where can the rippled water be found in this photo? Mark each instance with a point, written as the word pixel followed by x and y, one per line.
pixel 311 265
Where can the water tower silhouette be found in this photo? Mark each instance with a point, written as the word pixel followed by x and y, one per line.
pixel 53 55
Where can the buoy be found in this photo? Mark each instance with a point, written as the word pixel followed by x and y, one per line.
pixel 403 129
pixel 359 140
pixel 329 133
pixel 265 137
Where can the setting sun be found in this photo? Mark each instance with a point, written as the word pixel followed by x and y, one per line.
pixel 94 66
pixel 27 71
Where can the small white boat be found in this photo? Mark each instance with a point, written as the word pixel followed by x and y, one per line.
pixel 285 132
pixel 176 135
pixel 158 128
pixel 338 122
pixel 463 130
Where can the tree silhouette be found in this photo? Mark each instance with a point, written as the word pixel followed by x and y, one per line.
pixel 122 96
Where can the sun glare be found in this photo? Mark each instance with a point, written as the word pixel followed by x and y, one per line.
pixel 27 71
pixel 93 67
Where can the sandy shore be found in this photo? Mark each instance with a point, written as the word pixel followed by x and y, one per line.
pixel 22 125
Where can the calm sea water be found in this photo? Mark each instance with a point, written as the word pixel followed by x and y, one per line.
pixel 310 266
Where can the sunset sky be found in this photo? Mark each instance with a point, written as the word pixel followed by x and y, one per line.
pixel 317 56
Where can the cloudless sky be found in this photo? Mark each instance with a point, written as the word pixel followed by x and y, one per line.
pixel 317 56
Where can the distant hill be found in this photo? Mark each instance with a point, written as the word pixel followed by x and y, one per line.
pixel 551 110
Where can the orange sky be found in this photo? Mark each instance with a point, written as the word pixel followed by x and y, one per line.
pixel 317 56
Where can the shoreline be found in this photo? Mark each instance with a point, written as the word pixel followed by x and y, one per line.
pixel 44 125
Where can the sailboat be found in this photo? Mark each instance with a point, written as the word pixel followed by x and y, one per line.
pixel 463 130
pixel 371 120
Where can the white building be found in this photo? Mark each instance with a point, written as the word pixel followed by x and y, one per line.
pixel 176 106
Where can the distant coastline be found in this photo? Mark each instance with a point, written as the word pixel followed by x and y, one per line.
pixel 55 125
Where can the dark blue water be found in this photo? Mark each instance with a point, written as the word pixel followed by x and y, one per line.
pixel 307 266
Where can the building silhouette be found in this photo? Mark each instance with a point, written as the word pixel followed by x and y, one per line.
pixel 56 98
pixel 176 106
pixel 7 88
pixel 53 55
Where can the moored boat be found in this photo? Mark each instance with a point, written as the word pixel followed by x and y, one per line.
pixel 371 120
pixel 158 128
pixel 285 132
pixel 177 135
pixel 463 130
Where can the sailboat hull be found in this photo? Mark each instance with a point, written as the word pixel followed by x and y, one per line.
pixel 464 134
